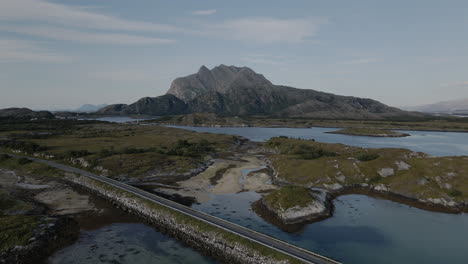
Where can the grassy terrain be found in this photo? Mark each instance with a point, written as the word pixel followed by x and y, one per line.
pixel 41 170
pixel 288 197
pixel 121 149
pixel 17 226
pixel 16 230
pixel 402 171
pixel 368 131
pixel 425 124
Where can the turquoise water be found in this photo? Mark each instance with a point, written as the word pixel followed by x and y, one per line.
pixel 124 243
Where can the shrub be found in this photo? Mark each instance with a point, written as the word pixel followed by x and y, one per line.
pixel 23 161
pixel 77 153
pixel 367 156
pixel 309 152
pixel 4 157
pixel 186 149
pixel 455 193
pixel 25 146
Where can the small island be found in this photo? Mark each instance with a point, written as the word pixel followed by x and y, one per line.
pixel 369 132
pixel 295 204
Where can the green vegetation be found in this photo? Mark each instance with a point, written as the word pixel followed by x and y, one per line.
pixel 33 168
pixel 368 131
pixel 16 227
pixel 301 151
pixel 455 193
pixel 121 149
pixel 288 197
pixel 402 171
pixel 16 230
pixel 25 146
pixel 23 161
pixel 426 124
pixel 367 156
pixel 4 157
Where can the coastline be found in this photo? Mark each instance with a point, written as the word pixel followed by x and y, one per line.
pixel 321 126
pixel 271 217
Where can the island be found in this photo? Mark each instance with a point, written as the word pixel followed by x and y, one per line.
pixel 369 132
pixel 401 175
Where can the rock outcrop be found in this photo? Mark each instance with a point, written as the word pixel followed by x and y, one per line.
pixel 292 204
pixel 167 221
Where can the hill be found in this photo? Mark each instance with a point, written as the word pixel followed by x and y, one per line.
pixel 446 107
pixel 239 91
pixel 24 113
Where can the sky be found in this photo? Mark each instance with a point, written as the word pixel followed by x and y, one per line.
pixel 63 54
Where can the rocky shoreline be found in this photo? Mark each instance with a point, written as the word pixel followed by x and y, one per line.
pixel 290 222
pixel 208 242
pixel 52 234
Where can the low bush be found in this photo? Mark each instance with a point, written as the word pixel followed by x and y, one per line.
pixel 367 156
pixel 309 152
pixel 4 157
pixel 23 161
pixel 455 193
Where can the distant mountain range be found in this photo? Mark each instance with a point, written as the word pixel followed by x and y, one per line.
pixel 239 91
pixel 447 107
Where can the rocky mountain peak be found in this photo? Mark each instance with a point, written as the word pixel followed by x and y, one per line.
pixel 220 79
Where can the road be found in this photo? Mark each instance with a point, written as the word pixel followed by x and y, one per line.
pixel 281 246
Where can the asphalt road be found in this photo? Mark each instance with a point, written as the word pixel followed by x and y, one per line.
pixel 281 246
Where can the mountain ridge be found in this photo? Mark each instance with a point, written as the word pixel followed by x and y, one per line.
pixel 448 107
pixel 240 91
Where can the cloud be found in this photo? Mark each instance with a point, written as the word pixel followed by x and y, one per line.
pixel 43 11
pixel 360 61
pixel 264 29
pixel 204 12
pixel 57 33
pixel 14 50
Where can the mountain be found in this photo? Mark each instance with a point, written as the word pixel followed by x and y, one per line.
pixel 24 113
pixel 447 107
pixel 238 91
pixel 156 106
pixel 89 108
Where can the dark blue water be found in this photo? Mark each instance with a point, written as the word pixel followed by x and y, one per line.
pixel 362 230
pixel 432 143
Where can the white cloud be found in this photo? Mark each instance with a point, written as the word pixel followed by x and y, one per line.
pixel 85 37
pixel 43 11
pixel 264 29
pixel 204 12
pixel 14 50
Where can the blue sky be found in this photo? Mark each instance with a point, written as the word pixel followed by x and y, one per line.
pixel 62 54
